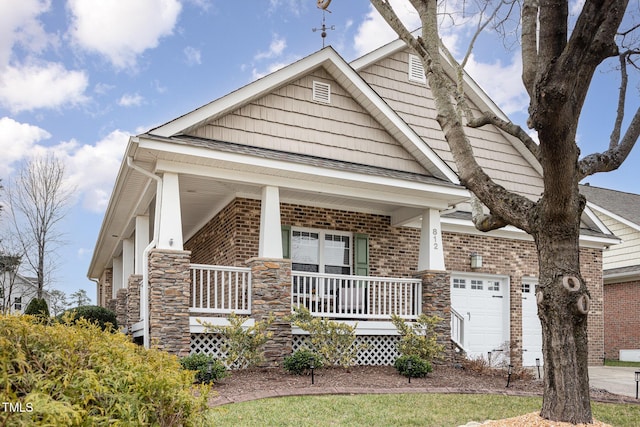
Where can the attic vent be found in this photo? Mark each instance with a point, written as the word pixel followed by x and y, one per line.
pixel 416 70
pixel 321 92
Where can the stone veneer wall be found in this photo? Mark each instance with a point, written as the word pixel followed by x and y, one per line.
pixel 271 295
pixel 621 317
pixel 393 251
pixel 436 300
pixel 105 288
pixel 121 308
pixel 133 299
pixel 169 287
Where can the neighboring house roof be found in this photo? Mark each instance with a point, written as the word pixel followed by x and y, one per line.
pixel 619 212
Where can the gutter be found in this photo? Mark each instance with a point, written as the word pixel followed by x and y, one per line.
pixel 144 298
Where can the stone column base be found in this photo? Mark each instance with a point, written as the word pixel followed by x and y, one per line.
pixel 436 300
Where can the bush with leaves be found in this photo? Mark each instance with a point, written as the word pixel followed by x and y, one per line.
pixel 38 307
pixel 208 369
pixel 101 316
pixel 419 338
pixel 242 345
pixel 334 342
pixel 301 361
pixel 76 374
pixel 412 366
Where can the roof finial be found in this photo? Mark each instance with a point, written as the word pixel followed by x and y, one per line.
pixel 323 5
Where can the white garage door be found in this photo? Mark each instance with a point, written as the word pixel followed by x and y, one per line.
pixel 483 301
pixel 531 328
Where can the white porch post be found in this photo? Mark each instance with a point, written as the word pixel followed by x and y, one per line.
pixel 270 245
pixel 141 241
pixel 431 257
pixel 170 224
pixel 117 276
pixel 127 261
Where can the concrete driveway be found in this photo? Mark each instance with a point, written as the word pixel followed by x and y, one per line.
pixel 618 380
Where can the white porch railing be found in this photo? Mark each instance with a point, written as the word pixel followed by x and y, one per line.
pixel 219 289
pixel 356 297
pixel 457 328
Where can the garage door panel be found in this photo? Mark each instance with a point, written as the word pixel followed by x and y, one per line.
pixel 483 302
pixel 531 327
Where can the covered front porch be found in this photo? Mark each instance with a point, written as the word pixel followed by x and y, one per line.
pixel 350 242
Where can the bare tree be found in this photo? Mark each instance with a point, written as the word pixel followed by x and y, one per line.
pixel 38 200
pixel 9 265
pixel 559 59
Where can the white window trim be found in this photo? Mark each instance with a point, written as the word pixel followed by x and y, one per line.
pixel 321 234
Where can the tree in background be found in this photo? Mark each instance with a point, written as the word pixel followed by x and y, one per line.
pixel 58 302
pixel 9 265
pixel 79 298
pixel 38 200
pixel 560 54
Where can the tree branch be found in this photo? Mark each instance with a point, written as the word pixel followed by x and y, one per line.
pixel 529 44
pixel 508 127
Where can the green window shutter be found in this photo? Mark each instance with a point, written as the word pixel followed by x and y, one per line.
pixel 286 241
pixel 361 256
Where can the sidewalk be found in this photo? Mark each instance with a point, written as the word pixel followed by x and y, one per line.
pixel 614 379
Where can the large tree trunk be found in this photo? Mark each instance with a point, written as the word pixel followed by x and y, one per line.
pixel 562 310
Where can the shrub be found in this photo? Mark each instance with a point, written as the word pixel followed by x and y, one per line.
pixel 412 366
pixel 419 338
pixel 95 314
pixel 208 369
pixel 38 307
pixel 243 346
pixel 334 342
pixel 79 375
pixel 301 361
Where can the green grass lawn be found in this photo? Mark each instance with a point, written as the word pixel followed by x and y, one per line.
pixel 609 362
pixel 398 410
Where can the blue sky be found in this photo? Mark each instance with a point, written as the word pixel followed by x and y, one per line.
pixel 77 77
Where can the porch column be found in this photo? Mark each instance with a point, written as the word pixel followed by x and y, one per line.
pixel 170 221
pixel 117 278
pixel 436 300
pixel 270 245
pixel 169 287
pixel 271 295
pixel 128 259
pixel 431 256
pixel 141 241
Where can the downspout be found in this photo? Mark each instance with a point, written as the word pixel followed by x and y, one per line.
pixel 144 300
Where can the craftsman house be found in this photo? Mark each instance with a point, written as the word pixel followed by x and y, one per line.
pixel 620 213
pixel 328 185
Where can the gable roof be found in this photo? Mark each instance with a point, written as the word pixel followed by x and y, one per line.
pixel 347 77
pixel 624 207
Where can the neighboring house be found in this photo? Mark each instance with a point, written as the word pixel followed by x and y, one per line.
pixel 329 185
pixel 620 213
pixel 17 291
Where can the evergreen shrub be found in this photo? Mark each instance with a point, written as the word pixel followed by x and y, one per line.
pixel 300 362
pixel 76 374
pixel 412 366
pixel 37 307
pixel 95 314
pixel 208 369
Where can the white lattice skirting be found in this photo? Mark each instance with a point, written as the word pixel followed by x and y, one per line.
pixel 380 349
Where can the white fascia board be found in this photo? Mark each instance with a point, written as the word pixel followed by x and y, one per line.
pixel 196 327
pixel 628 276
pixel 596 220
pixel 510 232
pixel 368 327
pixel 610 214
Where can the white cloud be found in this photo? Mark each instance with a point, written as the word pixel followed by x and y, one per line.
pixel 130 100
pixel 92 169
pixel 502 82
pixel 374 31
pixel 193 55
pixel 122 29
pixel 277 46
pixel 17 141
pixel 28 87
pixel 19 25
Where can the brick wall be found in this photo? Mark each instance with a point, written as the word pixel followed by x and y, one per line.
pixel 232 237
pixel 105 288
pixel 621 317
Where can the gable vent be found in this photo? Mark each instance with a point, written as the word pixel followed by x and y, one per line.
pixel 416 70
pixel 321 92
